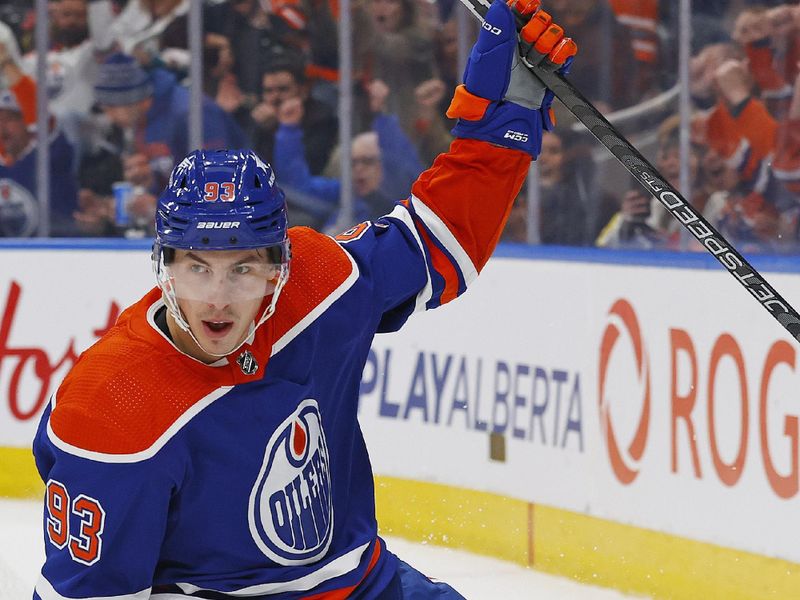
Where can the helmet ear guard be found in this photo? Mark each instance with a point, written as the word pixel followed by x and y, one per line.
pixel 221 200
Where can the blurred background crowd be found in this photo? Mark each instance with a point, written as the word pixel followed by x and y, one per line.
pixel 118 89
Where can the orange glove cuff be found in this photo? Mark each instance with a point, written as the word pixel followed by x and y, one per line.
pixel 466 105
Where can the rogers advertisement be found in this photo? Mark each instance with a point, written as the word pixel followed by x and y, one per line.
pixel 665 398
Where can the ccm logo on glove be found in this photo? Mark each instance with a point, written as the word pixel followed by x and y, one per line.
pixel 517 136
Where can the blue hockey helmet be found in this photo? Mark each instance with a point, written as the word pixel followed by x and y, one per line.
pixel 221 200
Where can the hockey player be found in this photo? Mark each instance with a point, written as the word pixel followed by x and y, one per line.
pixel 207 446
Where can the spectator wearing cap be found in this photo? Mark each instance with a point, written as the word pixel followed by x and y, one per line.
pixel 152 111
pixel 19 208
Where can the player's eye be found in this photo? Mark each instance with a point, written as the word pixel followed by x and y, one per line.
pixel 197 268
pixel 241 269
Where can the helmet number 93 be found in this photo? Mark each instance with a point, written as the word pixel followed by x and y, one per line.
pixel 212 191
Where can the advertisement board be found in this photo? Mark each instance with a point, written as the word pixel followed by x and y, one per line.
pixel 659 397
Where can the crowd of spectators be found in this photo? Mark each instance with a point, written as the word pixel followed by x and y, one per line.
pixel 118 91
pixel 744 159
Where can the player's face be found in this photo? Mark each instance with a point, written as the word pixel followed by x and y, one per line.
pixel 220 294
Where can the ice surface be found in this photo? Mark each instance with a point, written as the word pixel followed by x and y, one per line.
pixel 476 577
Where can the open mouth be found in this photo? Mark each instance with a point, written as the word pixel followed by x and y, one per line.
pixel 217 329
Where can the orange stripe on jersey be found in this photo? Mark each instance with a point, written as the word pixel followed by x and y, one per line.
pixel 343 593
pixel 641 17
pixel 471 189
pixel 443 266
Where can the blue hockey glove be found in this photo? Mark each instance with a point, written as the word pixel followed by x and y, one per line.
pixel 501 101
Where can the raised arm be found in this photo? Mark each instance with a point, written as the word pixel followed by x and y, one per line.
pixel 471 188
pixel 434 243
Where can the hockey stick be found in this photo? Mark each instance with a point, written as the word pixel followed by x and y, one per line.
pixel 652 181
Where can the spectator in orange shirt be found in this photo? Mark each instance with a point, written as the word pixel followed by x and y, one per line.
pixel 739 127
pixel 771 40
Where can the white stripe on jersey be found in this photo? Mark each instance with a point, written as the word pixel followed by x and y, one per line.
pixel 447 239
pixel 47 592
pixel 401 213
pixel 336 568
pixel 150 452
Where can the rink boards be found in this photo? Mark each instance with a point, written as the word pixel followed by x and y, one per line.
pixel 627 419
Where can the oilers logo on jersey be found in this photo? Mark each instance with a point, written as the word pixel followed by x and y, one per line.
pixel 291 510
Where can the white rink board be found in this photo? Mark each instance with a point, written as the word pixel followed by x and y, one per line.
pixel 51 304
pixel 525 326
pixel 528 325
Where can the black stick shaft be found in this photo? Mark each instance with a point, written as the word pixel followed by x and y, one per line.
pixel 655 184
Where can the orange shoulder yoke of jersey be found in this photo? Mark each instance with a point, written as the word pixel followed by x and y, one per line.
pixel 127 389
pixel 131 386
pixel 319 268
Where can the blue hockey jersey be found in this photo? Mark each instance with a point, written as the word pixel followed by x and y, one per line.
pixel 168 478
